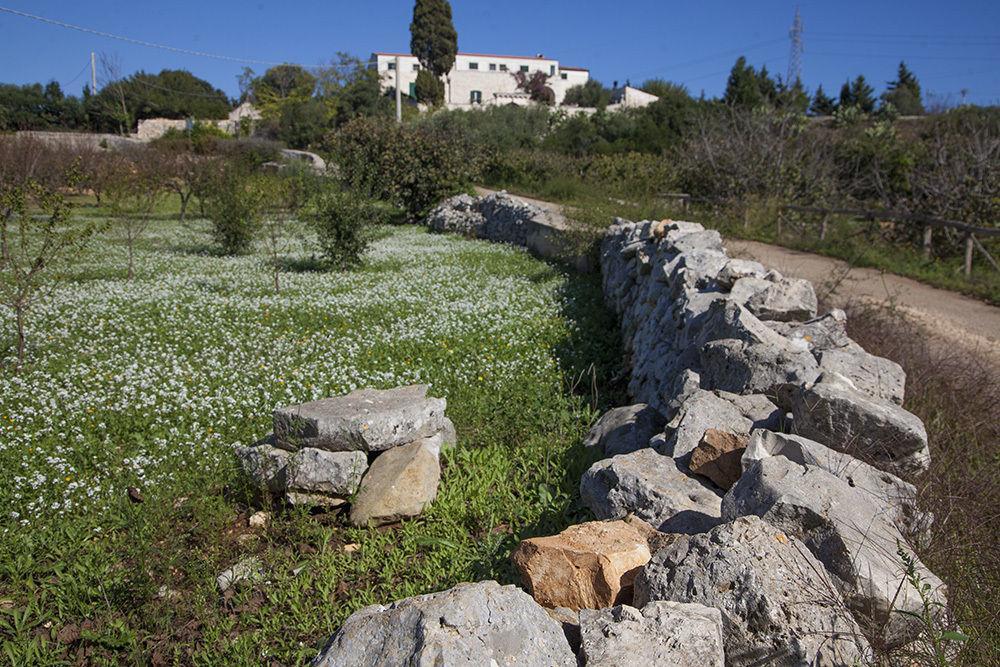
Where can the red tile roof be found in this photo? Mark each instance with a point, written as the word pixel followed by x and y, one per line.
pixel 486 55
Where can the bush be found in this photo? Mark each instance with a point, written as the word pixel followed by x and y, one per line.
pixel 343 222
pixel 413 167
pixel 235 209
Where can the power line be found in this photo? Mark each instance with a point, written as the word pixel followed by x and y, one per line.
pixel 737 51
pixel 130 40
pixel 65 86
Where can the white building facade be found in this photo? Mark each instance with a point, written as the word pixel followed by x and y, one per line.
pixel 481 79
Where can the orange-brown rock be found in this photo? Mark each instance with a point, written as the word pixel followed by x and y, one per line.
pixel 588 566
pixel 717 457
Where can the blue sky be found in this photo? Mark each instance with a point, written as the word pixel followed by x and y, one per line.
pixel 952 46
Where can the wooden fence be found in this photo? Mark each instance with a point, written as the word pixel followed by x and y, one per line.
pixel 969 232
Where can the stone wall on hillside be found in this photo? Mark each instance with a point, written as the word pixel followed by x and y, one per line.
pixel 751 506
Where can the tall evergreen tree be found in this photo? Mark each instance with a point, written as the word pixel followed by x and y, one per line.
pixel 433 39
pixel 846 96
pixel 904 93
pixel 863 94
pixel 822 104
pixel 742 87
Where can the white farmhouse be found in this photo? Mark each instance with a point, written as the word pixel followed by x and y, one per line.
pixel 479 79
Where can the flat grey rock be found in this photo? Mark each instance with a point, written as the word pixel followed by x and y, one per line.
pixel 735 269
pixel 471 624
pixel 784 299
pixel 368 420
pixel 835 413
pixel 681 634
pixel 754 368
pixel 399 484
pixel 702 411
pixel 898 497
pixel 624 430
pixel 878 377
pixel 264 465
pixel 844 528
pixel 777 603
pixel 652 487
pixel 331 473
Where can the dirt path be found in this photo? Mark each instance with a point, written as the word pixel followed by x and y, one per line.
pixel 947 316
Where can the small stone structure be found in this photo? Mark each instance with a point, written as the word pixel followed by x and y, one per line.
pixel 763 448
pixel 378 449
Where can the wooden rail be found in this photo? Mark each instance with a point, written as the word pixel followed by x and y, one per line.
pixel 969 232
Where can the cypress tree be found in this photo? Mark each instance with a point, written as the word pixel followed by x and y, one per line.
pixel 433 39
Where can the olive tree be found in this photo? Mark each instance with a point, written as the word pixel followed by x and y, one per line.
pixel 38 236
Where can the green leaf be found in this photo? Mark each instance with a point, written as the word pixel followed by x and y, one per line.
pixel 954 636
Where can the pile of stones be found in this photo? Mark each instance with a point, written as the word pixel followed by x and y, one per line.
pixel 751 504
pixel 378 450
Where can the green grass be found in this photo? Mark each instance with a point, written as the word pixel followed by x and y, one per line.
pixel 859 243
pixel 150 383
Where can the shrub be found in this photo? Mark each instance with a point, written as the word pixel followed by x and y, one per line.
pixel 343 222
pixel 413 167
pixel 235 208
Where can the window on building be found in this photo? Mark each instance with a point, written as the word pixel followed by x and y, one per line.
pixel 524 68
pixel 413 89
pixel 476 97
pixel 392 65
pixel 473 65
pixel 493 67
pixel 552 70
pixel 503 68
pixel 416 67
pixel 563 76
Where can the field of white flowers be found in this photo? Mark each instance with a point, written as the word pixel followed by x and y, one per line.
pixel 149 384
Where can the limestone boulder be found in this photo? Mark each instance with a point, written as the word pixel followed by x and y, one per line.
pixel 897 496
pixel 784 299
pixel 321 472
pixel 661 633
pixel 625 430
pixel 735 269
pixel 587 566
pixel 651 486
pixel 399 484
pixel 835 413
pixel 367 420
pixel 755 368
pixel 702 411
pixel 826 332
pixel 850 534
pixel 878 377
pixel 718 457
pixel 471 624
pixel 265 466
pixel 778 605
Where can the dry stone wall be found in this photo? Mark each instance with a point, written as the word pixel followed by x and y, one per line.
pixel 751 503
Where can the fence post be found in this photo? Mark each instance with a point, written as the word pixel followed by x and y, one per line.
pixel 822 226
pixel 969 247
pixel 928 231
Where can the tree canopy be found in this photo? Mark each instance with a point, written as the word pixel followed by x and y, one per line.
pixel 433 39
pixel 589 94
pixel 904 93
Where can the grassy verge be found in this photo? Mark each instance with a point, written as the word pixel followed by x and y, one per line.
pixel 859 243
pixel 149 383
pixel 956 397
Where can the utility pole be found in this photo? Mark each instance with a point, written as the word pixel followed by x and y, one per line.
pixel 795 55
pixel 399 93
pixel 93 74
